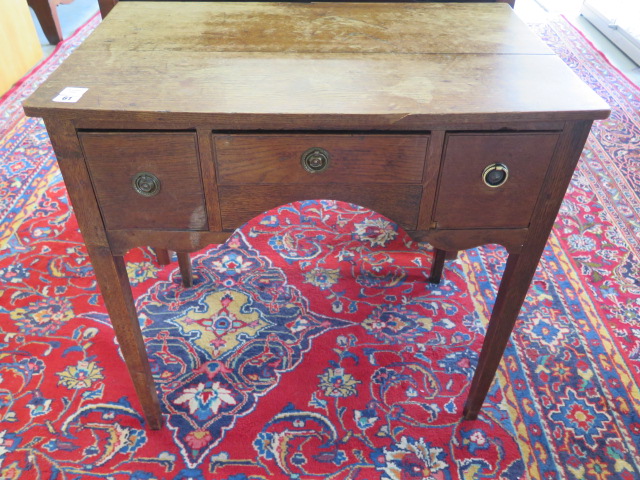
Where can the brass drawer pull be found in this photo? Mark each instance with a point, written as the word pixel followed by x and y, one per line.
pixel 315 160
pixel 495 175
pixel 146 184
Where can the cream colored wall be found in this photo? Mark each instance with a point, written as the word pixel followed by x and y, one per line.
pixel 19 46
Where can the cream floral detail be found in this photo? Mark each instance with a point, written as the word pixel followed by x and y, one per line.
pixel 232 264
pixel 336 383
pixel 205 399
pixel 81 375
pixel 410 458
pixel 377 231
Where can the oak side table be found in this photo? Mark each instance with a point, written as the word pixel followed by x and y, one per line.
pixel 174 123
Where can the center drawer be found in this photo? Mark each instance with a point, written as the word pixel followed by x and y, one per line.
pixel 258 172
pixel 352 158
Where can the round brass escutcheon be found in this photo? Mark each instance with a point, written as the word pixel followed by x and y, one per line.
pixel 495 175
pixel 315 160
pixel 146 184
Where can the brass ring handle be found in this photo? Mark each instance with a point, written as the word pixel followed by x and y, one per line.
pixel 146 184
pixel 315 160
pixel 495 175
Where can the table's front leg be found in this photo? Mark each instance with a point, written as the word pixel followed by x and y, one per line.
pixel 515 282
pixel 111 272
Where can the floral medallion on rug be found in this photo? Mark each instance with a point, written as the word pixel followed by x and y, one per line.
pixel 311 345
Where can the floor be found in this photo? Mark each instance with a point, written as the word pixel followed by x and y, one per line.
pixel 73 15
pixel 534 10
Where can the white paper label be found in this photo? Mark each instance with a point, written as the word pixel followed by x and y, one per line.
pixel 70 94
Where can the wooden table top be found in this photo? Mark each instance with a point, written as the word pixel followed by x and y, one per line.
pixel 376 64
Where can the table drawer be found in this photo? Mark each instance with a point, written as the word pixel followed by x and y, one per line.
pixel 464 199
pixel 240 203
pixel 146 180
pixel 361 158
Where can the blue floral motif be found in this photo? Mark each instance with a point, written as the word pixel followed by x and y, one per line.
pixel 264 445
pixel 38 405
pixel 460 361
pixel 396 324
pixel 365 418
pixel 190 474
pixel 9 441
pixel 582 243
pixel 475 439
pixel 277 242
pixel 580 416
pixel 135 438
pixel 14 274
pixel 44 316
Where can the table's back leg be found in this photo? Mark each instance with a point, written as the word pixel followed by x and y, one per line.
pixel 185 269
pixel 437 265
pixel 162 256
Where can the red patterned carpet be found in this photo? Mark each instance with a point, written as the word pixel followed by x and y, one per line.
pixel 311 345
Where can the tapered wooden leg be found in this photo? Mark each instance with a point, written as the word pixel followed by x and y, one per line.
pixel 513 289
pixel 162 255
pixel 437 265
pixel 114 284
pixel 185 269
pixel 521 266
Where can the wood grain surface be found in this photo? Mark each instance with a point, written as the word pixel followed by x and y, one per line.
pixel 234 64
pixel 317 27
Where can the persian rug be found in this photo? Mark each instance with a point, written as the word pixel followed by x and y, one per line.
pixel 311 345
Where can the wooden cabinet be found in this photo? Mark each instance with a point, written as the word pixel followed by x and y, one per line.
pixel 396 107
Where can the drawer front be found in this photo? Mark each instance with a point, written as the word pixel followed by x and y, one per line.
pixel 277 159
pixel 464 200
pixel 239 204
pixel 146 180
